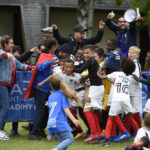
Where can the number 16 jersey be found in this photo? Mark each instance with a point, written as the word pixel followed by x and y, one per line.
pixel 121 86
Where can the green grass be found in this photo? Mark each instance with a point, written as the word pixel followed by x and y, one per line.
pixel 22 143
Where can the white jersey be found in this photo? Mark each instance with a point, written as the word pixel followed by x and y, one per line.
pixel 142 132
pixel 73 81
pixel 135 88
pixel 121 86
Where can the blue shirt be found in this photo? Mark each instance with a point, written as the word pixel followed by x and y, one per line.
pixel 57 120
pixel 123 49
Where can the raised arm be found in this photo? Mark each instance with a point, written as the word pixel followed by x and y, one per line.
pixel 61 40
pixel 97 38
pixel 43 82
pixel 112 26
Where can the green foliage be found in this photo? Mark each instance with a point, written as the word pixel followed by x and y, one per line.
pixel 119 2
pixel 144 6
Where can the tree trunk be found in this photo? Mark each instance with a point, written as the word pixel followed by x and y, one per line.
pixel 84 14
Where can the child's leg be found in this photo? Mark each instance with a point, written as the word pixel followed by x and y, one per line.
pixel 97 123
pixel 91 121
pixel 108 127
pixel 73 111
pixel 132 122
pixel 137 118
pixel 66 139
pixel 81 113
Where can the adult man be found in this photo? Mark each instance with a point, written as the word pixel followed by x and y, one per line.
pixel 47 33
pixel 8 66
pixel 126 33
pixel 77 40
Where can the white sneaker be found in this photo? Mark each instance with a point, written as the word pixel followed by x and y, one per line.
pixel 3 136
pixel 49 137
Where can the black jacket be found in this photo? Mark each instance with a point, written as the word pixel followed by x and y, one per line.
pixel 23 57
pixel 76 45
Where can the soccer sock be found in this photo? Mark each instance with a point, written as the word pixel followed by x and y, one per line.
pixel 97 123
pixel 108 128
pixel 113 130
pixel 91 122
pixel 74 114
pixel 99 116
pixel 83 117
pixel 119 124
pixel 127 124
pixel 137 118
pixel 133 123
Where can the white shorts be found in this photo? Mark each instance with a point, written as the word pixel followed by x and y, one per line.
pixel 136 102
pixel 110 95
pixel 118 107
pixel 81 95
pixel 147 106
pixel 96 94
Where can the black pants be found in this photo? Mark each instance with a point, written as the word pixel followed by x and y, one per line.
pixel 41 113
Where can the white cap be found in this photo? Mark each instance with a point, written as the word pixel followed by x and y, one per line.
pixel 47 29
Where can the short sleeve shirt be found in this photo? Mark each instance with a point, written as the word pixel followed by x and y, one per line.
pixel 121 86
pixel 57 120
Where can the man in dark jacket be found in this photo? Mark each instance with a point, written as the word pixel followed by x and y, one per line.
pixel 126 33
pixel 77 40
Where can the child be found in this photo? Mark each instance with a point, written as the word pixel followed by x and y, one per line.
pixel 94 96
pixel 58 112
pixel 135 89
pixel 120 99
pixel 111 64
pixel 73 81
pixel 142 139
pixel 147 82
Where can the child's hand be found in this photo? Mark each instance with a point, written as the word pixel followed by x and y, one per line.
pixel 39 85
pixel 87 99
pixel 76 122
pixel 136 78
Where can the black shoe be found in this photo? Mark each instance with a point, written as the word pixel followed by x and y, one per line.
pixel 106 143
pixel 41 134
pixel 15 133
pixel 33 137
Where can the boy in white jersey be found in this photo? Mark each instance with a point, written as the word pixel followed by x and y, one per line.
pixel 142 139
pixel 135 88
pixel 120 99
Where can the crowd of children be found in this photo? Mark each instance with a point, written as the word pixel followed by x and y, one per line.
pixel 89 74
pixel 104 88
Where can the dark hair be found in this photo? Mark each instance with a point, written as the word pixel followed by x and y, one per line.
pixel 48 43
pixel 91 47
pixel 114 42
pixel 5 40
pixel 41 44
pixel 99 51
pixel 65 48
pixel 69 61
pixel 147 120
pixel 127 65
pixel 55 84
pixel 16 48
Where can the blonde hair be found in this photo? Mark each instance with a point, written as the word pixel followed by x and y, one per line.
pixel 58 84
pixel 135 49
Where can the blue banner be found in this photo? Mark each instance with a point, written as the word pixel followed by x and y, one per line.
pixel 24 110
pixel 20 109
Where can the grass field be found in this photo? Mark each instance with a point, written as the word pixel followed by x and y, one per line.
pixel 22 143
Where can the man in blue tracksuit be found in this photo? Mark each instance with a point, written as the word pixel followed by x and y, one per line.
pixel 126 33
